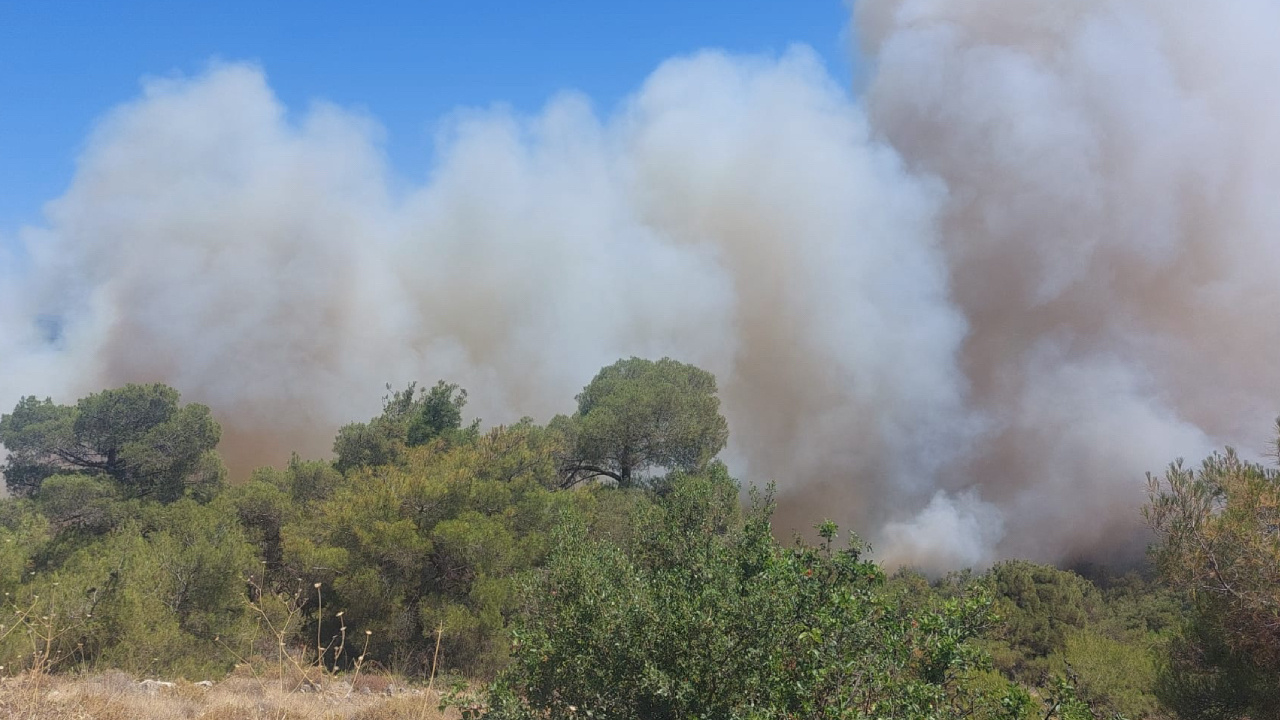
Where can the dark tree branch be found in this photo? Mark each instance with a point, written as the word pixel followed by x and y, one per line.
pixel 574 474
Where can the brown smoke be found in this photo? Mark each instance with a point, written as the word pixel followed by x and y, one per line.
pixel 963 313
pixel 1110 236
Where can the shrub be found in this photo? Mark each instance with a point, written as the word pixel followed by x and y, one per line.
pixel 703 614
pixel 150 596
pixel 435 541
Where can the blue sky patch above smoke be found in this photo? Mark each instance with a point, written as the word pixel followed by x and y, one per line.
pixel 407 64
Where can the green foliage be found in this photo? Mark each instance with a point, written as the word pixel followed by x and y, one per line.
pixel 437 413
pixel 308 481
pixel 139 436
pixel 1218 542
pixel 1218 546
pixel 703 614
pixel 273 498
pixel 435 541
pixel 80 502
pixel 370 444
pixel 149 596
pixel 654 596
pixel 1117 678
pixel 1203 678
pixel 1055 624
pixel 32 433
pixel 23 535
pixel 263 508
pixel 637 415
pixel 116 553
pixel 409 418
pixel 1040 605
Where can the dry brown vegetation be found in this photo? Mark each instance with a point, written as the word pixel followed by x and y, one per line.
pixel 117 696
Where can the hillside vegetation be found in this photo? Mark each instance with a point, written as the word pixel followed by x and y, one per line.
pixel 602 565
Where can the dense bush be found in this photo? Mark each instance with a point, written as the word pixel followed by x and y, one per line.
pixel 152 594
pixel 703 614
pixel 433 542
pixel 1218 546
pixel 1055 625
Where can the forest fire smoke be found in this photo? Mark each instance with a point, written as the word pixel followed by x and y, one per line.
pixel 963 312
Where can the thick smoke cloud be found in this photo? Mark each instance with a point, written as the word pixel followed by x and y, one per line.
pixel 1110 233
pixel 963 313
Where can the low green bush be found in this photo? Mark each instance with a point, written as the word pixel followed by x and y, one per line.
pixel 702 614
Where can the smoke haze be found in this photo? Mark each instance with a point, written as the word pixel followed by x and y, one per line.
pixel 963 312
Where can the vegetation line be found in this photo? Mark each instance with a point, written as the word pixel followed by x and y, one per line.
pixel 601 565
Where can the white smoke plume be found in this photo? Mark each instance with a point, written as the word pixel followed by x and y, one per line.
pixel 962 313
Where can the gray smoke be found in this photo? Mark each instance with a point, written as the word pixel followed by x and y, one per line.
pixel 1110 233
pixel 963 313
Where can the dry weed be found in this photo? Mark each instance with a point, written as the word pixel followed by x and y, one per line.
pixel 114 696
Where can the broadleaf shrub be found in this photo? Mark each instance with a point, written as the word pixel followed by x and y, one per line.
pixel 703 614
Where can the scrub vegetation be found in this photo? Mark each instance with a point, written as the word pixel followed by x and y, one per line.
pixel 603 565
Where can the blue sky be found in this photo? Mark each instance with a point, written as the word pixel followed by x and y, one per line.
pixel 63 63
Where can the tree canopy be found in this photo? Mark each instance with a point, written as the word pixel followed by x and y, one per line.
pixel 637 415
pixel 140 436
pixel 1218 543
pixel 410 417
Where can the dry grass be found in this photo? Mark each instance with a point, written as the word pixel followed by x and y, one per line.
pixel 115 696
pixel 280 680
